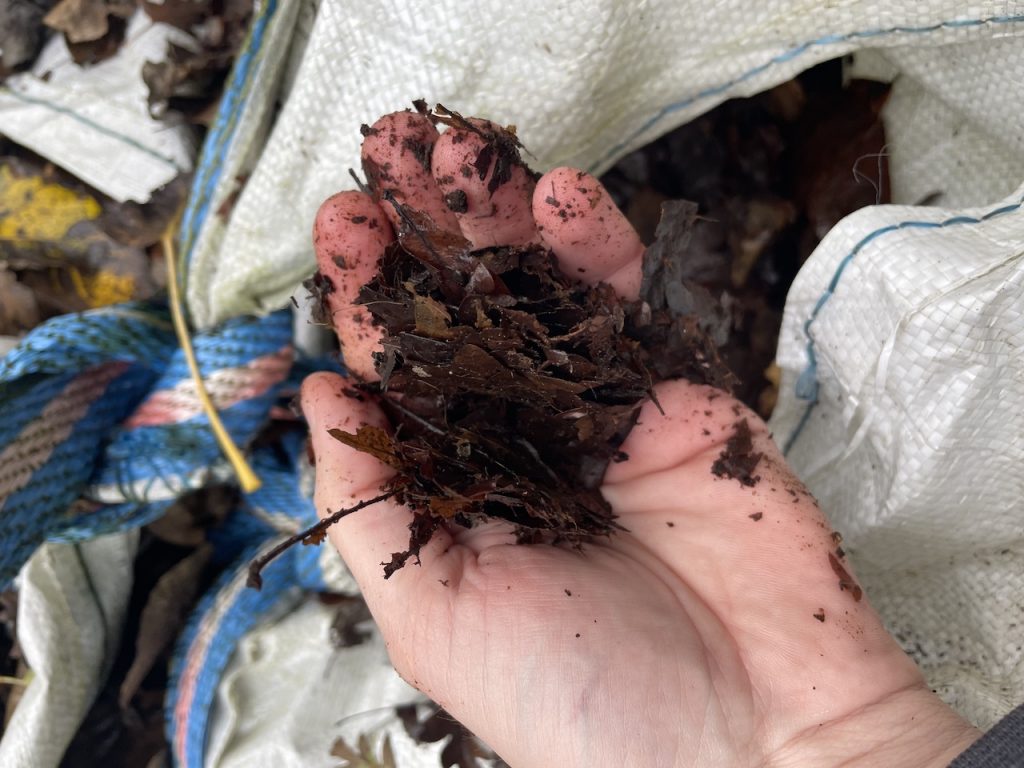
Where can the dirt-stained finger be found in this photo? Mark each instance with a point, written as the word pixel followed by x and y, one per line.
pixel 464 166
pixel 579 221
pixel 350 233
pixel 344 476
pixel 397 152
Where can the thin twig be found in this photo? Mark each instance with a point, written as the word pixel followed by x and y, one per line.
pixel 359 182
pixel 313 534
pixel 403 214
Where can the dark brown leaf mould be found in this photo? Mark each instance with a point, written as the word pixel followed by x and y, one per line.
pixel 511 386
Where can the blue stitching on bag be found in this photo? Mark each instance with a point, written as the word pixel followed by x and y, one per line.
pixel 221 134
pixel 807 383
pixel 799 50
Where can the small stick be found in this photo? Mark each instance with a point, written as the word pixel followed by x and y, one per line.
pixel 359 182
pixel 313 534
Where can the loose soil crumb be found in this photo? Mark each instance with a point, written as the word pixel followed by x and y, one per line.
pixel 845 579
pixel 739 460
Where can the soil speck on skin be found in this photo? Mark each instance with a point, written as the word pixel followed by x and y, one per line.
pixel 577 634
pixel 756 516
pixel 568 593
pixel 443 582
pixel 320 287
pixel 420 150
pixel 846 581
pixel 670 524
pixel 820 615
pixel 739 460
pixel 457 201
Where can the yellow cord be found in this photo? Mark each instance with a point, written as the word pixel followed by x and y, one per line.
pixel 248 479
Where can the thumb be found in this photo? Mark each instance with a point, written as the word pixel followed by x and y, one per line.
pixel 344 476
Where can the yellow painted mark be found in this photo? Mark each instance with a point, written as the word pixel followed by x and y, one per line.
pixel 32 209
pixel 103 288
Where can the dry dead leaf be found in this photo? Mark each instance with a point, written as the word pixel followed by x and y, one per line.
pixel 19 310
pixel 163 617
pixel 364 756
pixel 21 32
pixel 81 21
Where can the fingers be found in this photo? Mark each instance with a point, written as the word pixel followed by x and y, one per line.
pixel 397 152
pixel 344 476
pixel 350 234
pixel 592 238
pixel 499 217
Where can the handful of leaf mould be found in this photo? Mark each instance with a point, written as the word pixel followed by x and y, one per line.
pixel 511 386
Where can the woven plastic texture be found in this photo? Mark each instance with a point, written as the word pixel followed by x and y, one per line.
pixel 905 330
pixel 602 79
pixel 72 599
pixel 952 122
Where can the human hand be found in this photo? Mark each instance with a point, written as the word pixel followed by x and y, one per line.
pixel 713 631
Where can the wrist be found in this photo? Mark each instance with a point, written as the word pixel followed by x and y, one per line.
pixel 910 728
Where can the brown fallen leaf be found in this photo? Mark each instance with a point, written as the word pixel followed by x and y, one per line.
pixel 363 755
pixel 187 520
pixel 21 32
pixel 19 310
pixel 81 21
pixel 93 29
pixel 189 80
pixel 163 617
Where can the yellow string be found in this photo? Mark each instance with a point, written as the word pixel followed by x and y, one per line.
pixel 248 479
pixel 22 681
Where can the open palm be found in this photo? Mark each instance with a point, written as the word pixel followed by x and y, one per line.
pixel 713 631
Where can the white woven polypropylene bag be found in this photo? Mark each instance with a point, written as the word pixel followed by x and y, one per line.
pixel 914 444
pixel 584 82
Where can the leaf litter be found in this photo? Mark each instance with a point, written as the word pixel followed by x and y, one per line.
pixel 510 385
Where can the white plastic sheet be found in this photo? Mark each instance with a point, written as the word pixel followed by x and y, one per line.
pixel 95 121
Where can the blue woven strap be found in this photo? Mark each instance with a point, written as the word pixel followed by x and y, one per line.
pixel 62 390
pixel 101 405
